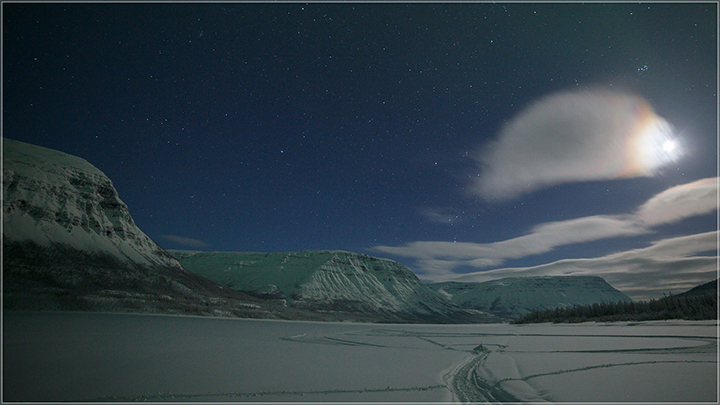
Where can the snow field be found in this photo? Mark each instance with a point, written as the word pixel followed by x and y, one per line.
pixel 90 356
pixel 653 361
pixel 55 356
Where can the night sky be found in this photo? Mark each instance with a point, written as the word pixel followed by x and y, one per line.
pixel 490 139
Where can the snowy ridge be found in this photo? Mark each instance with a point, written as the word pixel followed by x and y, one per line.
pixel 329 281
pixel 69 243
pixel 513 297
pixel 51 197
pixel 377 283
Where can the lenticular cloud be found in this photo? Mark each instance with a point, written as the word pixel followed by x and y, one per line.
pixel 575 136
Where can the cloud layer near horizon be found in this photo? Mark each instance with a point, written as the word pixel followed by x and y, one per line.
pixel 543 238
pixel 189 242
pixel 437 260
pixel 668 265
pixel 570 137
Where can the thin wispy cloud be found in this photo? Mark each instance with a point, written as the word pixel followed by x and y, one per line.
pixel 447 216
pixel 677 203
pixel 571 137
pixel 438 260
pixel 543 238
pixel 669 265
pixel 187 242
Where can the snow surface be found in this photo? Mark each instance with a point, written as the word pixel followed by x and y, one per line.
pixel 93 356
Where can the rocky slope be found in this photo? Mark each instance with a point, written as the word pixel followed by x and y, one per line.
pixel 331 282
pixel 510 298
pixel 69 242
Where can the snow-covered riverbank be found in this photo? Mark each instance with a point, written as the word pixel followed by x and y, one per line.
pixel 92 356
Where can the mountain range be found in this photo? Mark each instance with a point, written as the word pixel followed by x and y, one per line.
pixel 70 243
pixel 330 282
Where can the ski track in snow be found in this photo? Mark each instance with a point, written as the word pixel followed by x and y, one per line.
pixel 172 396
pixel 492 363
pixel 467 386
pixel 464 380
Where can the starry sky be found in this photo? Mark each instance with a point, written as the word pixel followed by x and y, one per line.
pixel 467 141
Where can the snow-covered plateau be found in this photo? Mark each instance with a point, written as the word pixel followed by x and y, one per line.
pixel 67 356
pixel 361 286
pixel 512 297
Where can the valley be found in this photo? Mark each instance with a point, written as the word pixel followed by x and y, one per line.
pixel 313 326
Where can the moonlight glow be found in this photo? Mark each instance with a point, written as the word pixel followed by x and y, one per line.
pixel 657 144
pixel 669 146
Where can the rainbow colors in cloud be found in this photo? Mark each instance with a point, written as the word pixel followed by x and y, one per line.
pixel 575 136
pixel 651 142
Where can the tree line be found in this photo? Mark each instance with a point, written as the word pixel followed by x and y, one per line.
pixel 683 306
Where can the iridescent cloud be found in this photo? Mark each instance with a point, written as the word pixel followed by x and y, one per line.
pixel 571 137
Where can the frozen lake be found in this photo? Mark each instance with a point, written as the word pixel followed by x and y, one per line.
pixel 123 357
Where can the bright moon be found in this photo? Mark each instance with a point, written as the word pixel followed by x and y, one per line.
pixel 657 145
pixel 669 146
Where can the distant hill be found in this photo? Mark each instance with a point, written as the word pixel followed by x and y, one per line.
pixel 695 304
pixel 707 288
pixel 511 298
pixel 351 285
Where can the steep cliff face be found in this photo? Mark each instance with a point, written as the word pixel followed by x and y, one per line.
pixel 358 285
pixel 69 242
pixel 510 298
pixel 55 198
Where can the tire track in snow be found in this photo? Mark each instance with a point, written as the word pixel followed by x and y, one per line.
pixel 169 396
pixel 466 385
pixel 709 346
pixel 633 363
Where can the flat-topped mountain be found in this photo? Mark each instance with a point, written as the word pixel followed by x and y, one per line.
pixel 510 298
pixel 330 282
pixel 69 242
